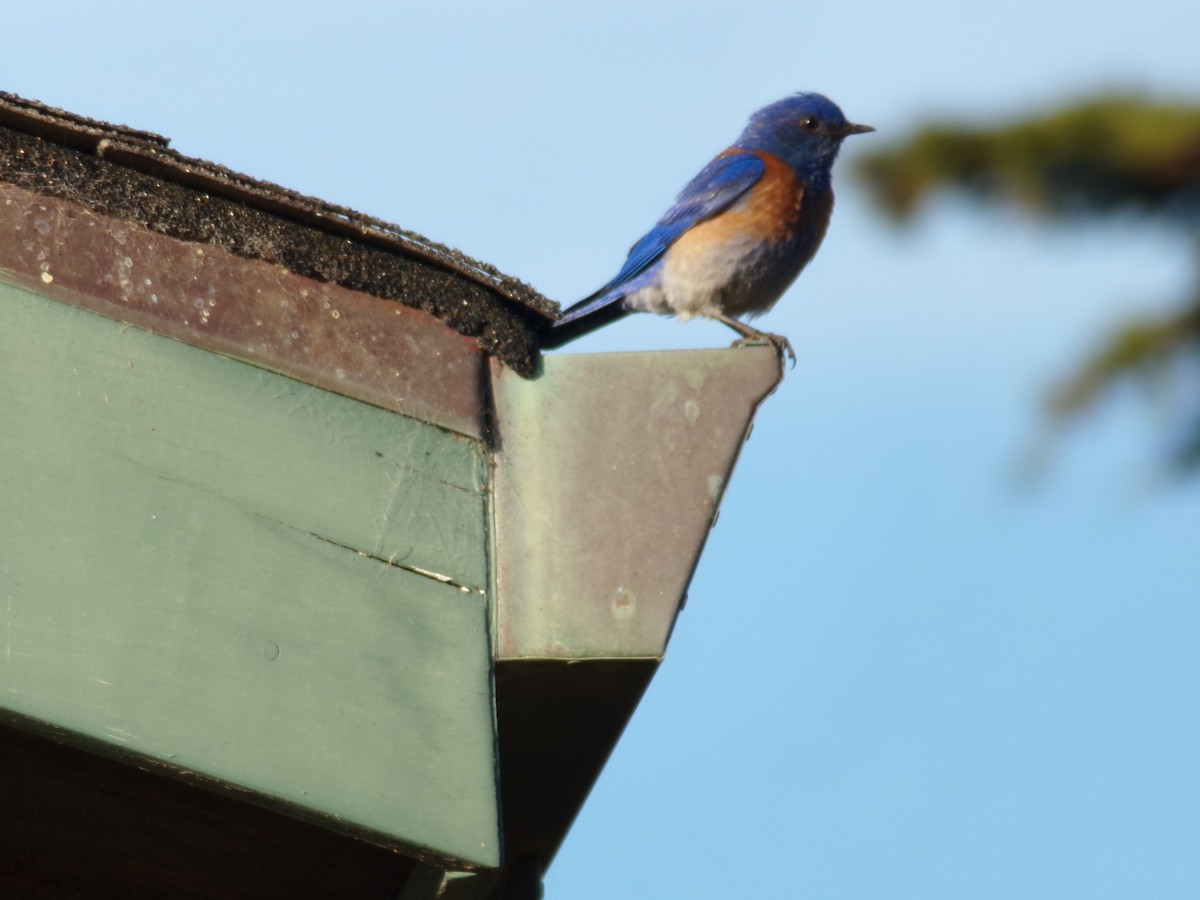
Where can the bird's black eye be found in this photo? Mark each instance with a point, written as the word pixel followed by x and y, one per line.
pixel 810 123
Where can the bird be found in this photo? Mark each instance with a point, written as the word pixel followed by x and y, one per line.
pixel 737 235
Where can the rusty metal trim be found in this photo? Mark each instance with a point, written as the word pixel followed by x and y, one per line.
pixel 378 351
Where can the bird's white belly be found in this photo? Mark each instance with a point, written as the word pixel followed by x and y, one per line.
pixel 705 283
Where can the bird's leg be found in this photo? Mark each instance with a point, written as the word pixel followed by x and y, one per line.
pixel 752 335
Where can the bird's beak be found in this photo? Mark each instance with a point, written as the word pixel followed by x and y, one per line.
pixel 851 128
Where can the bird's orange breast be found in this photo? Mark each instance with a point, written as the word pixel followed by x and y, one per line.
pixel 770 211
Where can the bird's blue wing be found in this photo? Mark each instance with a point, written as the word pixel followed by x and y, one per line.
pixel 716 188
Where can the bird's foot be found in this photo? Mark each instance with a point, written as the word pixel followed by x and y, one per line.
pixel 750 336
pixel 781 344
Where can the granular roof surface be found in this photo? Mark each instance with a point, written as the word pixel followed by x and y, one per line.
pixel 134 175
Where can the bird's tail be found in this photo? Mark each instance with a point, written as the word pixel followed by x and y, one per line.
pixel 587 315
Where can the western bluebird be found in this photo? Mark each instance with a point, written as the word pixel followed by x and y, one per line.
pixel 738 234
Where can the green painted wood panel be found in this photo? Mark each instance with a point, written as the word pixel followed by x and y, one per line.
pixel 381 483
pixel 194 566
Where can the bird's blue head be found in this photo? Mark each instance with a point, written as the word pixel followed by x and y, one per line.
pixel 806 130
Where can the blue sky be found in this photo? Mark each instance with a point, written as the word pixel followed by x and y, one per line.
pixel 901 672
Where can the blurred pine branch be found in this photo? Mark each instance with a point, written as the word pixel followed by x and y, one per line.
pixel 1112 155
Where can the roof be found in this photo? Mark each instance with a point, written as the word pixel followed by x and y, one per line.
pixel 135 176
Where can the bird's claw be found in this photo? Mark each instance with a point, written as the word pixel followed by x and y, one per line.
pixel 780 343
